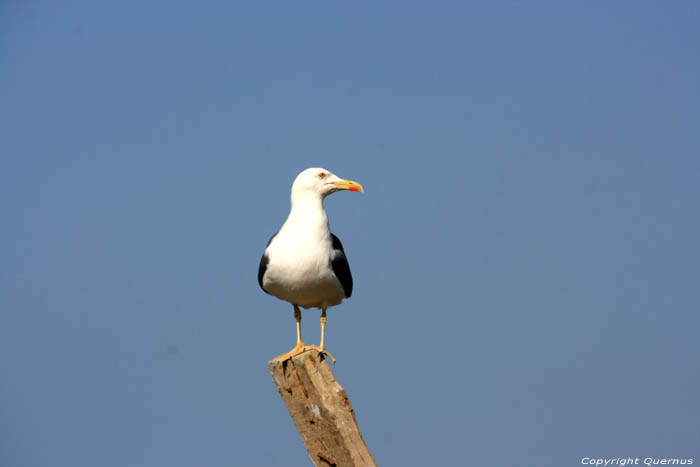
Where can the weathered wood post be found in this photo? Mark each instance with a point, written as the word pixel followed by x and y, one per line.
pixel 321 411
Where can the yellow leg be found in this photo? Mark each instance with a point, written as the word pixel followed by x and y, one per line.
pixel 297 318
pixel 322 347
pixel 300 347
pixel 323 327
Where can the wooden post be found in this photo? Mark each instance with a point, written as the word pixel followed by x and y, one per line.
pixel 321 411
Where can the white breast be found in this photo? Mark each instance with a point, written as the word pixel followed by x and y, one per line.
pixel 299 270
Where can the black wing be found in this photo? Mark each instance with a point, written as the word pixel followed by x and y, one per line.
pixel 263 265
pixel 340 266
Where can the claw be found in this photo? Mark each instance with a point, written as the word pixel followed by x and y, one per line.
pixel 325 352
pixel 300 349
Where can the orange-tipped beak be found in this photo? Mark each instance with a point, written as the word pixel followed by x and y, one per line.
pixel 348 185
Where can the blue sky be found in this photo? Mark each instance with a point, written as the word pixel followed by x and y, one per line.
pixel 525 255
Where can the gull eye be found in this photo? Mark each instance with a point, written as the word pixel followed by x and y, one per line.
pixel 322 175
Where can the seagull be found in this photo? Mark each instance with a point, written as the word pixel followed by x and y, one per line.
pixel 304 263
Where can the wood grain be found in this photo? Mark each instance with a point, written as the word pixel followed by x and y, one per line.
pixel 321 411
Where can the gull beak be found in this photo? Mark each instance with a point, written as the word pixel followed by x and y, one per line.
pixel 348 185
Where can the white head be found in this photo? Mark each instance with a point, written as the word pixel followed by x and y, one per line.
pixel 317 183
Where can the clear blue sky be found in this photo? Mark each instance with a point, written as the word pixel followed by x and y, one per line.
pixel 526 254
